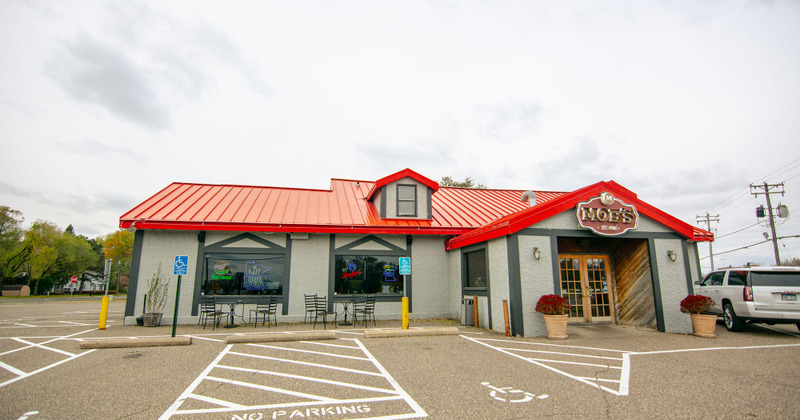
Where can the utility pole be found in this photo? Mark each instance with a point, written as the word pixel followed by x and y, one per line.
pixel 766 189
pixel 708 219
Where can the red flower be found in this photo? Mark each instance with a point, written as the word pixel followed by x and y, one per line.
pixel 552 305
pixel 696 304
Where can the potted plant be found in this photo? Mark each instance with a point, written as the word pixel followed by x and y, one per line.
pixel 156 299
pixel 702 322
pixel 555 310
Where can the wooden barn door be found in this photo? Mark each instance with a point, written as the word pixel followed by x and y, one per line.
pixel 586 285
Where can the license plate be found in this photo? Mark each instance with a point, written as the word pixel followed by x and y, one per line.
pixel 788 296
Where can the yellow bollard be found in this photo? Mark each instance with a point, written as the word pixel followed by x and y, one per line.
pixel 103 313
pixel 405 313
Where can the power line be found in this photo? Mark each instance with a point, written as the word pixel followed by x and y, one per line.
pixel 729 234
pixel 751 245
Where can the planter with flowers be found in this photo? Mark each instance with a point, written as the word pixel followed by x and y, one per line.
pixel 156 299
pixel 703 323
pixel 555 310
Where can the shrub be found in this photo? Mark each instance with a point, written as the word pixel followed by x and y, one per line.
pixel 696 304
pixel 157 291
pixel 552 305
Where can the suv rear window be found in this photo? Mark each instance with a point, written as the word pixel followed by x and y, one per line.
pixel 737 278
pixel 774 279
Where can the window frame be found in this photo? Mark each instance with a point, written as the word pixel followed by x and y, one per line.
pixel 466 271
pixel 414 201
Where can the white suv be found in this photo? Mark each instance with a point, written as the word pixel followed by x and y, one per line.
pixel 754 294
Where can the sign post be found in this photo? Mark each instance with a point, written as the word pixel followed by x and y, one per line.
pixel 180 268
pixel 73 281
pixel 405 269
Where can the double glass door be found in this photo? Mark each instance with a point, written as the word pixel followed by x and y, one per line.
pixel 585 284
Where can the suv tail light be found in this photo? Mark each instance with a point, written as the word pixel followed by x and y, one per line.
pixel 747 294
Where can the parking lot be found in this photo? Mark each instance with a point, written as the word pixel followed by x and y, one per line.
pixel 599 372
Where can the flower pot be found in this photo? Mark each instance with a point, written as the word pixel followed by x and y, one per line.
pixel 556 326
pixel 151 320
pixel 704 325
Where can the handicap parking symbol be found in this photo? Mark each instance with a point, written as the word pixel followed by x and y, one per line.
pixel 181 263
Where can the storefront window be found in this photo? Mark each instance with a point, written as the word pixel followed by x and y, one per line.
pixel 476 268
pixel 243 274
pixel 360 274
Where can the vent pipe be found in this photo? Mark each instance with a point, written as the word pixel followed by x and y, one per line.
pixel 529 197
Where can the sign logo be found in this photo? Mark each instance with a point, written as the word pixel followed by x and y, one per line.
pixel 181 265
pixel 606 215
pixel 255 276
pixel 405 266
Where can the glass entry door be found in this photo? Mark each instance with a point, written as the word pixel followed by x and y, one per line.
pixel 585 285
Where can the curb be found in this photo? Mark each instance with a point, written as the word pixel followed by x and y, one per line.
pixel 113 343
pixel 411 332
pixel 275 337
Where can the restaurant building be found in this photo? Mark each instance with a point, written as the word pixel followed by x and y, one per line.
pixel 615 258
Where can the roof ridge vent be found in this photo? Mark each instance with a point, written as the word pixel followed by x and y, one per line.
pixel 529 197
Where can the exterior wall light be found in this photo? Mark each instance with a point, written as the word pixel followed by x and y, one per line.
pixel 536 253
pixel 672 255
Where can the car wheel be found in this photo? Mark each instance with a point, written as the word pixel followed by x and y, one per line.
pixel 732 322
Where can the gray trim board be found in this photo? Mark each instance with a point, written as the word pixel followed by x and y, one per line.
pixel 198 272
pixel 687 267
pixel 136 261
pixel 651 248
pixel 554 261
pixel 287 270
pixel 515 286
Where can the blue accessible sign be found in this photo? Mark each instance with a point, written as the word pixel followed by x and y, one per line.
pixel 405 265
pixel 181 263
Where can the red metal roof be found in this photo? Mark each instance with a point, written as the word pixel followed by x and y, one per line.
pixel 515 222
pixel 475 215
pixel 343 208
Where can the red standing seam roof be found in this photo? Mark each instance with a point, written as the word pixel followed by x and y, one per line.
pixel 472 215
pixel 343 208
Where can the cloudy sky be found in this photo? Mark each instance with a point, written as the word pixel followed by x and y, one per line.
pixel 686 103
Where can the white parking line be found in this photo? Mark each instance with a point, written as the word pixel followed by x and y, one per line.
pixel 21 374
pixel 624 366
pixel 307 404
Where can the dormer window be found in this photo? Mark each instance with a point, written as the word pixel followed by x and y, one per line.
pixel 406 200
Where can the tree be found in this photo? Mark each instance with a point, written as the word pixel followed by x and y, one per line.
pixel 13 253
pixel 448 181
pixel 118 246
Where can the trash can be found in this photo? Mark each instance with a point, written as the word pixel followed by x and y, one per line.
pixel 467 312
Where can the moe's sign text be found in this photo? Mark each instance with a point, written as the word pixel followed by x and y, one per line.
pixel 605 215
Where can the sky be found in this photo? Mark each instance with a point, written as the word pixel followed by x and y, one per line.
pixel 686 103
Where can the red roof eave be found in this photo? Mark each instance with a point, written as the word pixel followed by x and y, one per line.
pixel 525 218
pixel 261 227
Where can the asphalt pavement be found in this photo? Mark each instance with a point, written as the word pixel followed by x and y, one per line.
pixel 602 371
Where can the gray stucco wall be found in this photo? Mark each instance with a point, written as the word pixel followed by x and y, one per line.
pixel 672 280
pixel 536 280
pixel 498 286
pixel 161 247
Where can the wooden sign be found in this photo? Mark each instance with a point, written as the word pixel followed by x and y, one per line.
pixel 606 215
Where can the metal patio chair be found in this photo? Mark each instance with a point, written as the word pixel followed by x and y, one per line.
pixel 310 307
pixel 366 310
pixel 208 309
pixel 321 310
pixel 265 308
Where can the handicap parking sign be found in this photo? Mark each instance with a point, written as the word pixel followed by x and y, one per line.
pixel 405 265
pixel 181 262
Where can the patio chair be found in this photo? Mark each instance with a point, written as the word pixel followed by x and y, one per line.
pixel 321 310
pixel 265 308
pixel 310 307
pixel 208 308
pixel 366 310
